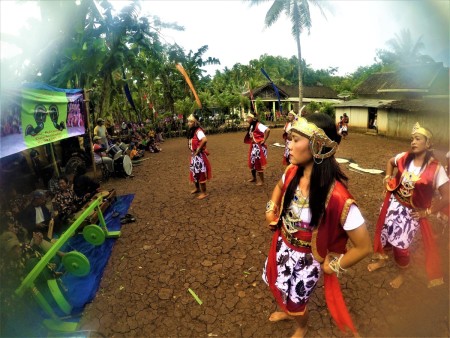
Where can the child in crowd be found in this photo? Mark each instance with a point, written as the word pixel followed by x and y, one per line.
pixel 135 154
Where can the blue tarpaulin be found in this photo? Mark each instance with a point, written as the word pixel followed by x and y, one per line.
pixel 78 291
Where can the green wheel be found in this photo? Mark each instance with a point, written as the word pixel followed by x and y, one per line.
pixel 94 234
pixel 76 263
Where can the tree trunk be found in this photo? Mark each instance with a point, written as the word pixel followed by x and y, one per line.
pixel 106 95
pixel 300 81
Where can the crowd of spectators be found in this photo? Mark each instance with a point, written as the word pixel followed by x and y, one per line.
pixel 138 138
pixel 30 225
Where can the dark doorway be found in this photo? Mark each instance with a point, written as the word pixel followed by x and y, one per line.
pixel 372 119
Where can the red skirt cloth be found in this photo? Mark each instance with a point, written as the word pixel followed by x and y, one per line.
pixel 257 157
pixel 200 168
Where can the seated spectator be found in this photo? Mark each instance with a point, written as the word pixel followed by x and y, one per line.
pixel 135 154
pixel 66 201
pixel 14 202
pixel 17 259
pixel 83 186
pixel 53 184
pixel 9 223
pixel 159 137
pixel 36 216
pixel 153 146
pixel 100 155
pixel 124 128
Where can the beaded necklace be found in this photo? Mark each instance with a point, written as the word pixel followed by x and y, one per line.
pixel 293 223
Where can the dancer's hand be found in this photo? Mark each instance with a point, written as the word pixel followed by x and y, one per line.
pixel 273 224
pixel 418 214
pixel 326 264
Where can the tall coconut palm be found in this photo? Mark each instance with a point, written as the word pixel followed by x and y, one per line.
pixel 403 51
pixel 298 12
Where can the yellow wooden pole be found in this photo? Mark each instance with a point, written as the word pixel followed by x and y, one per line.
pixel 52 155
pixel 88 127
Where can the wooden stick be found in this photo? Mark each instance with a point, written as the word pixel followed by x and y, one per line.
pixel 50 228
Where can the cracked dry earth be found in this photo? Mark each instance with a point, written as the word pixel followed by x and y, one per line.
pixel 217 248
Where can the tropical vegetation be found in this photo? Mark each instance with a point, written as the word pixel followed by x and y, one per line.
pixel 298 13
pixel 108 53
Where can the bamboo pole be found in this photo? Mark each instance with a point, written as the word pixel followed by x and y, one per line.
pixel 52 155
pixel 88 127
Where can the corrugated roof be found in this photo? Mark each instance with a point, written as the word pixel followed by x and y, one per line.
pixel 371 103
pixel 419 78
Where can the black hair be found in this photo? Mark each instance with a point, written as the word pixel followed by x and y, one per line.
pixel 323 175
pixel 252 125
pixel 64 178
pixel 80 169
pixel 191 131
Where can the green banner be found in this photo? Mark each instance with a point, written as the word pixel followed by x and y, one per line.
pixel 43 116
pixel 37 114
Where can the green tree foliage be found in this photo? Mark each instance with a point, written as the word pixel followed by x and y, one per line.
pixel 345 85
pixel 403 50
pixel 298 12
pixel 101 50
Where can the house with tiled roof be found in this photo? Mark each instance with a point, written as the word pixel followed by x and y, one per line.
pixel 289 96
pixel 395 101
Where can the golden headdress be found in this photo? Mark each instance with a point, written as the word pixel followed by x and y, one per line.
pixel 417 129
pixel 192 118
pixel 317 138
pixel 251 115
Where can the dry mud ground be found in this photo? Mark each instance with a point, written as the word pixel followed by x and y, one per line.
pixel 217 247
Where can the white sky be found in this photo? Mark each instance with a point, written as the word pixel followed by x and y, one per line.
pixel 235 33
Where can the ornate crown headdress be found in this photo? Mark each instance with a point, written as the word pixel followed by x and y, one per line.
pixel 417 129
pixel 192 118
pixel 318 140
pixel 251 115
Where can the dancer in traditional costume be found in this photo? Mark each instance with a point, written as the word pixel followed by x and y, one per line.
pixel 200 168
pixel 257 135
pixel 313 215
pixel 407 206
pixel 291 116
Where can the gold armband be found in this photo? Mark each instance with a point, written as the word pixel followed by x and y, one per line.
pixel 271 206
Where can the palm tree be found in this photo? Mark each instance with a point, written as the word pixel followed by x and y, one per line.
pixel 298 12
pixel 403 50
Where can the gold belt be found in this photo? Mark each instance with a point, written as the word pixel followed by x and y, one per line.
pixel 295 241
pixel 402 199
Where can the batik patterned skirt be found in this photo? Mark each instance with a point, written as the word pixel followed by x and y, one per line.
pixel 200 168
pixel 298 274
pixel 257 157
pixel 399 226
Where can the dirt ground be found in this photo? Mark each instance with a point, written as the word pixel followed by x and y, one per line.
pixel 217 248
